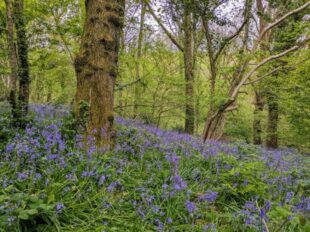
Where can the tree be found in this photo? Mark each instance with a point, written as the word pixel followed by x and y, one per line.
pixel 96 67
pixel 139 55
pixel 259 98
pixel 215 121
pixel 12 56
pixel 186 24
pixel 283 37
pixel 23 64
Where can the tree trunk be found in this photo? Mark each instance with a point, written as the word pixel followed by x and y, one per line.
pixel 273 117
pixel 214 126
pixel 12 57
pixel 257 125
pixel 23 65
pixel 138 58
pixel 259 105
pixel 96 66
pixel 189 73
pixel 119 81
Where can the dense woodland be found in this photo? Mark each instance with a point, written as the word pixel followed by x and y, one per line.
pixel 86 85
pixel 231 70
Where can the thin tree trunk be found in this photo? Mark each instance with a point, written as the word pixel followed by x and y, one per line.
pixel 259 104
pixel 12 56
pixel 257 125
pixel 273 117
pixel 96 66
pixel 212 63
pixel 189 62
pixel 215 122
pixel 120 92
pixel 138 58
pixel 189 72
pixel 23 64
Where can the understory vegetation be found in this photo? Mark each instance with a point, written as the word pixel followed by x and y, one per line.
pixel 153 180
pixel 154 115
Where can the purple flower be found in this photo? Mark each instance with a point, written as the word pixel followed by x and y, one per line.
pixel 113 185
pixel 179 184
pixel 288 197
pixel 210 227
pixel 160 225
pixel 267 205
pixel 190 206
pixel 102 180
pixel 209 196
pixel 250 206
pixel 263 214
pixel 59 207
pixel 22 176
pixel 87 174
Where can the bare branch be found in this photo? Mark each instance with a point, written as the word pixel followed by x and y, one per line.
pixel 168 33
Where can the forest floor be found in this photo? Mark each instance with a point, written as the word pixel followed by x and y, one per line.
pixel 153 180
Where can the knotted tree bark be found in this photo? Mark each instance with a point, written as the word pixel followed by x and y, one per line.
pixel 96 67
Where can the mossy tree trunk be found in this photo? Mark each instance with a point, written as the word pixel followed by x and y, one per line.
pixel 96 66
pixel 189 71
pixel 258 103
pixel 23 64
pixel 257 124
pixel 138 58
pixel 273 118
pixel 12 57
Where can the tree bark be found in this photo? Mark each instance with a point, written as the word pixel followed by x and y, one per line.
pixel 273 117
pixel 258 104
pixel 189 72
pixel 23 64
pixel 138 57
pixel 12 57
pixel 257 125
pixel 96 66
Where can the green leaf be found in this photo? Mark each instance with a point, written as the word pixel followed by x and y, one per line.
pixel 31 211
pixel 23 215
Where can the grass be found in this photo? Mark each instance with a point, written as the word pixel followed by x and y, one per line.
pixel 153 180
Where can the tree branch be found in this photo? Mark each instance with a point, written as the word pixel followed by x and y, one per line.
pixel 263 62
pixel 120 87
pixel 168 33
pixel 273 71
pixel 281 19
pixel 228 40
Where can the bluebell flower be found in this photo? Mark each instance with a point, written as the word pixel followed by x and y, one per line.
pixel 179 184
pixel 209 196
pixel 102 180
pixel 288 197
pixel 190 206
pixel 209 227
pixel 59 207
pixel 22 176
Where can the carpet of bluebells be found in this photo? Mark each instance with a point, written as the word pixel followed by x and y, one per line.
pixel 153 180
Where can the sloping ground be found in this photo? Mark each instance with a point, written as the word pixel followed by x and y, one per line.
pixel 154 180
